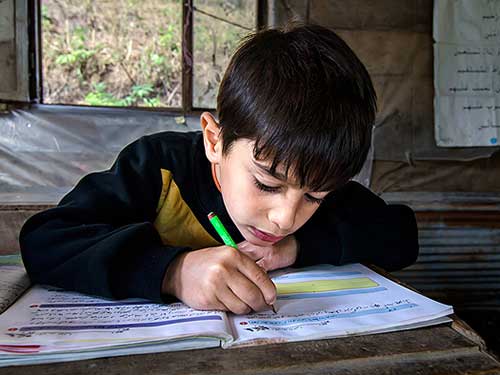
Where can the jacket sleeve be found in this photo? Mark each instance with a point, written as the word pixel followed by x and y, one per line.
pixel 100 239
pixel 355 225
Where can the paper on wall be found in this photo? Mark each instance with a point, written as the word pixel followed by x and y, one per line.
pixel 467 73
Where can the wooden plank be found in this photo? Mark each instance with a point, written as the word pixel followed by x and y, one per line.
pixel 10 224
pixel 8 71
pixel 443 176
pixel 393 97
pixel 432 350
pixel 7 21
pixel 408 15
pixel 392 134
pixel 15 57
pixel 423 120
pixel 187 56
pixel 423 64
pixel 424 16
pixel 478 204
pixel 387 52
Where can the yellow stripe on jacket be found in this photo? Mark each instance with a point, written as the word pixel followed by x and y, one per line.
pixel 175 222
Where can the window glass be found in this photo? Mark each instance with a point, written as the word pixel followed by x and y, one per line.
pixel 112 53
pixel 218 27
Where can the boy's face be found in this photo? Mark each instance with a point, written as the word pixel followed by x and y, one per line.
pixel 264 208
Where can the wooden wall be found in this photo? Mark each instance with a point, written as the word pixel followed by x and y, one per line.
pixel 12 217
pixel 14 85
pixel 393 38
pixel 7 47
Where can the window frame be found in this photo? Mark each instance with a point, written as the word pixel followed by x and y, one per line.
pixel 22 67
pixel 34 27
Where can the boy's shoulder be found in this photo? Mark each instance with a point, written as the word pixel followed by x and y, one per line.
pixel 169 143
pixel 174 138
pixel 169 150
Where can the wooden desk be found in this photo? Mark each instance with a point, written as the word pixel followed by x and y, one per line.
pixel 444 349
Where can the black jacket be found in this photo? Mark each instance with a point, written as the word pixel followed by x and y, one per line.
pixel 117 231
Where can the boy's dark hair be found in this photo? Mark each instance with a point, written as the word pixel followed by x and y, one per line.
pixel 305 99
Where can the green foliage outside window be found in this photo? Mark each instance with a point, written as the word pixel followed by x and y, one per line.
pixel 128 52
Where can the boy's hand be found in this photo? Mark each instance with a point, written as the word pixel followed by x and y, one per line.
pixel 279 255
pixel 219 278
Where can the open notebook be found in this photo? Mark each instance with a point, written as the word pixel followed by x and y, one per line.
pixel 50 325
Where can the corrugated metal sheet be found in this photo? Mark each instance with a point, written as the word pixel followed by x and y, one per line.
pixel 459 261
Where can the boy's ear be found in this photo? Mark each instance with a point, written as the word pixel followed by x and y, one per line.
pixel 211 137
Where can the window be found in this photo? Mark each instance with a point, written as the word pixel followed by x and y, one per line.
pixel 218 27
pixel 130 52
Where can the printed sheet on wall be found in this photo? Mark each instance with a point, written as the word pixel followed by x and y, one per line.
pixel 467 72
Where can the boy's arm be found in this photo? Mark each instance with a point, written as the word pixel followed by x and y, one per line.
pixel 355 225
pixel 100 239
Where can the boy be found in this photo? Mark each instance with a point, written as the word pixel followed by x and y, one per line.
pixel 295 113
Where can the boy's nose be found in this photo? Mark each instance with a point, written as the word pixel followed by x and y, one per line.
pixel 283 216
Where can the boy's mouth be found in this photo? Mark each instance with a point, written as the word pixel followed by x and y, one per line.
pixel 264 236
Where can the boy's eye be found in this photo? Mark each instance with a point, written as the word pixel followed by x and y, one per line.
pixel 275 189
pixel 312 199
pixel 265 188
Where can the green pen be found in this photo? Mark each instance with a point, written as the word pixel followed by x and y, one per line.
pixel 221 230
pixel 224 234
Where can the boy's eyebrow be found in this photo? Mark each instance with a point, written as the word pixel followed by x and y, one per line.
pixel 266 169
pixel 278 175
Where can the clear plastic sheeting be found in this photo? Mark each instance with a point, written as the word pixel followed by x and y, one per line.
pixel 45 150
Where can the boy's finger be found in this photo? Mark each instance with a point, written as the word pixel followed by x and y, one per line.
pixel 263 263
pixel 215 305
pixel 259 277
pixel 252 251
pixel 275 262
pixel 247 292
pixel 231 302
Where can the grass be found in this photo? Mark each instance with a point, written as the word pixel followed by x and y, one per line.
pixel 128 52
